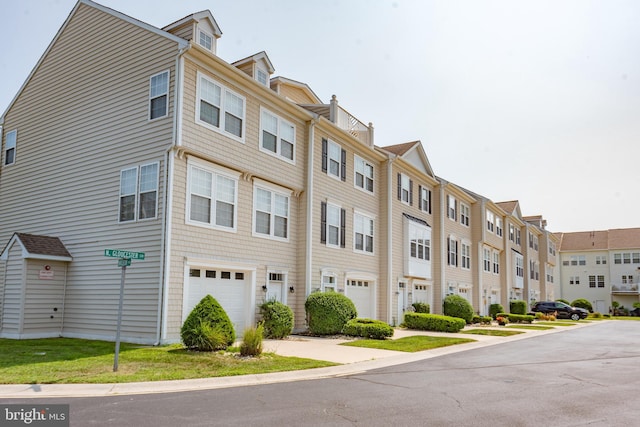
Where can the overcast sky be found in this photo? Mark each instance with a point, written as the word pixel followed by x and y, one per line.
pixel 537 101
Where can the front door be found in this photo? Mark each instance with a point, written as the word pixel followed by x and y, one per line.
pixel 402 301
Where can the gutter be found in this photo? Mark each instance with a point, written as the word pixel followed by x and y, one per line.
pixel 165 239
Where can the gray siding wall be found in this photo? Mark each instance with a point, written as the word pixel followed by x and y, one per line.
pixel 12 294
pixel 44 299
pixel 81 119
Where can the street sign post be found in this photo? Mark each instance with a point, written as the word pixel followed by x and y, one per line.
pixel 124 261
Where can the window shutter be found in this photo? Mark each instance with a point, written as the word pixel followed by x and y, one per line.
pixel 343 165
pixel 325 154
pixel 420 197
pixel 399 187
pixel 456 254
pixel 323 222
pixel 410 193
pixel 429 193
pixel 343 227
pixel 448 251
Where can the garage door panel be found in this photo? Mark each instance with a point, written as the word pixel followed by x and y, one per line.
pixel 359 291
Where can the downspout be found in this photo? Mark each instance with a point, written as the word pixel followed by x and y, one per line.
pixel 165 245
pixel 443 249
pixel 309 190
pixel 389 240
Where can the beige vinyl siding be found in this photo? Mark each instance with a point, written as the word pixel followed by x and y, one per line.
pixel 83 117
pixel 185 31
pixel 12 296
pixel 295 94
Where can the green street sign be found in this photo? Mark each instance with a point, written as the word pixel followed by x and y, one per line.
pixel 118 253
pixel 124 262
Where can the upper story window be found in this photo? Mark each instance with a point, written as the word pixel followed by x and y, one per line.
pixel 363 174
pixel 452 250
pixel 333 225
pixel 277 136
pixel 487 259
pixel 159 95
pixel 334 160
pixel 205 40
pixel 271 213
pixel 262 76
pixel 601 259
pixel 518 237
pixel 552 249
pixel 363 233
pixel 452 208
pixel 466 256
pixel 519 266
pixel 465 214
pixel 212 198
pixel 490 221
pixel 496 262
pixel 219 108
pixel 405 189
pixel 512 232
pixel 425 199
pixel 533 241
pixel 139 192
pixel 10 147
pixel 499 227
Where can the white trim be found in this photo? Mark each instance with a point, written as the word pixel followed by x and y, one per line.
pixel 223 89
pixel 273 190
pixel 278 153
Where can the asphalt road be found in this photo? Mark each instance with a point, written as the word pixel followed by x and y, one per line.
pixel 584 377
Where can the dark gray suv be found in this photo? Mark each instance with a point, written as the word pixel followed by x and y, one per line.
pixel 560 309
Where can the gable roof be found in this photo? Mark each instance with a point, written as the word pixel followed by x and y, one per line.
pixel 621 238
pixel 181 42
pixel 258 57
pixel 38 247
pixel 198 16
pixel 414 154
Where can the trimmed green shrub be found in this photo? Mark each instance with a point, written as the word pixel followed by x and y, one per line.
pixel 368 328
pixel 520 318
pixel 433 322
pixel 494 309
pixel 207 328
pixel 582 303
pixel 484 320
pixel 564 301
pixel 421 307
pixel 457 306
pixel 328 312
pixel 595 315
pixel 252 341
pixel 518 306
pixel 277 319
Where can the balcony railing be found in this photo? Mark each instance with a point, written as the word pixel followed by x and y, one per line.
pixel 630 289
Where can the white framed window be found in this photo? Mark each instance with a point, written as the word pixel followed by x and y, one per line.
pixel 499 227
pixel 518 237
pixel 159 95
pixel 512 232
pixel 466 255
pixel 452 249
pixel 420 245
pixel 496 262
pixel 362 233
pixel 405 189
pixel 10 147
pixel 139 192
pixel 487 259
pixel 277 136
pixel 417 247
pixel 212 197
pixel 363 178
pixel 329 282
pixel 334 160
pixel 332 225
pixel 425 199
pixel 601 259
pixel 519 266
pixel 270 213
pixel 574 280
pixel 490 221
pixel 205 40
pixel 452 208
pixel 262 76
pixel 552 249
pixel 219 108
pixel 464 214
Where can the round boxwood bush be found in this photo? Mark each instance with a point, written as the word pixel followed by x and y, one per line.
pixel 518 306
pixel 207 327
pixel 421 307
pixel 277 319
pixel 328 312
pixel 457 306
pixel 564 301
pixel 494 309
pixel 368 328
pixel 582 303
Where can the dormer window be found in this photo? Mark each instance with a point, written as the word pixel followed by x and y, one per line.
pixel 205 40
pixel 262 76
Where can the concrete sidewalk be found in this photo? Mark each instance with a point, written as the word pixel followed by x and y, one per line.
pixel 352 360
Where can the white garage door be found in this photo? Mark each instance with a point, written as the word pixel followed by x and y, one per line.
pixel 227 287
pixel 422 293
pixel 359 291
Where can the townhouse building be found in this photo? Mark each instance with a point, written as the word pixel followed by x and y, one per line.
pixel 600 266
pixel 232 182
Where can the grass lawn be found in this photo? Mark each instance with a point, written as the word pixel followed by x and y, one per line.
pixel 558 323
pixel 409 344
pixel 492 332
pixel 67 360
pixel 534 327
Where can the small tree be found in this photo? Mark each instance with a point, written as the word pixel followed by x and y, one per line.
pixel 207 328
pixel 277 319
pixel 582 303
pixel 457 306
pixel 494 309
pixel 328 312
